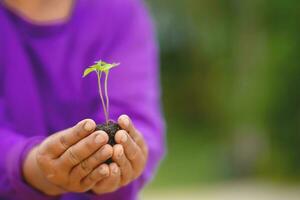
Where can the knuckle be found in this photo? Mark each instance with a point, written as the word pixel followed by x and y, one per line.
pixel 63 142
pixel 72 156
pixel 85 167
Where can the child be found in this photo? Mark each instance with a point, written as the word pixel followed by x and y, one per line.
pixel 49 146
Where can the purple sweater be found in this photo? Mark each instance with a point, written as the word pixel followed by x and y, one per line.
pixel 41 89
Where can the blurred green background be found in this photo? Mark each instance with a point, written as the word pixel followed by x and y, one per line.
pixel 231 90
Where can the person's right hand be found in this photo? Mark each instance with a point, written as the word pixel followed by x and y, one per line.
pixel 71 160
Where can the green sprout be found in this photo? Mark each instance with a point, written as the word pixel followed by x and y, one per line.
pixel 99 67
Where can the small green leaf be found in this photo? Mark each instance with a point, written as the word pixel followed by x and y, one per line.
pixel 99 66
pixel 107 67
pixel 87 71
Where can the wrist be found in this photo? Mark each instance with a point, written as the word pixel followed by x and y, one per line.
pixel 35 178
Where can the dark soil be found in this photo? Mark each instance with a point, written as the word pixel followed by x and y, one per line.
pixel 111 129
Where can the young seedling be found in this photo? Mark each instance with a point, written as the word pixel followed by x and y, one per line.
pixel 110 126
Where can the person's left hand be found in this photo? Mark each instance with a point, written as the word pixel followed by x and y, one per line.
pixel 129 155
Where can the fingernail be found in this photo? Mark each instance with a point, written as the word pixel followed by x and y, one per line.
pixel 99 138
pixel 123 138
pixel 115 170
pixel 88 126
pixel 102 170
pixel 126 121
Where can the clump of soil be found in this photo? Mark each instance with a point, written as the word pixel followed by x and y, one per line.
pixel 111 128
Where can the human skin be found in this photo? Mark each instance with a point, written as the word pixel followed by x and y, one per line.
pixel 72 160
pixel 41 11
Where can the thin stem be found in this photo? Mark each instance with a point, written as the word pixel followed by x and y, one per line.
pixel 101 95
pixel 106 94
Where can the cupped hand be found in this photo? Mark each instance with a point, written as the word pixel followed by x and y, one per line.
pixel 129 155
pixel 71 160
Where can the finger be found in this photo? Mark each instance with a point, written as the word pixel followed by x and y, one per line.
pixel 132 150
pixel 86 166
pixel 124 164
pixel 126 123
pixel 111 183
pixel 58 143
pixel 95 176
pixel 83 149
